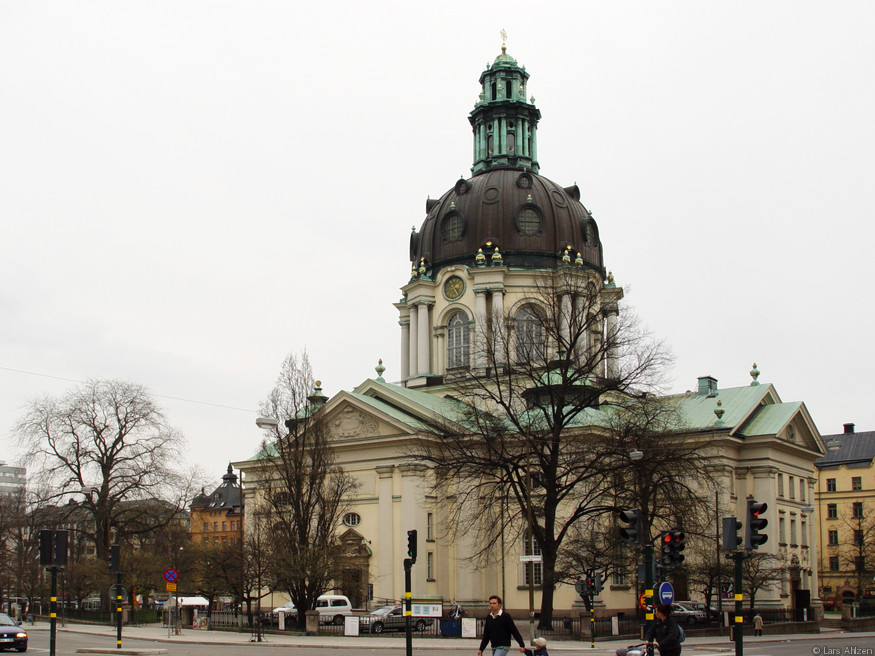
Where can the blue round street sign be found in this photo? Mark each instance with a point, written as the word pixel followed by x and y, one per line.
pixel 666 592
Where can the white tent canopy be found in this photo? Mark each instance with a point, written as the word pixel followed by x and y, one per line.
pixel 186 601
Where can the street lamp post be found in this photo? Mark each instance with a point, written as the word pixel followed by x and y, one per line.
pixel 636 455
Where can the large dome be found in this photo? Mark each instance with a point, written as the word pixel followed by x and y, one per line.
pixel 531 219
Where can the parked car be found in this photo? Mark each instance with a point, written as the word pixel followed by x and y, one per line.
pixel 391 618
pixel 685 615
pixel 11 634
pixel 711 613
pixel 288 608
pixel 332 609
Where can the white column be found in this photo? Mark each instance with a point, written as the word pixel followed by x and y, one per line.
pixel 612 364
pixel 440 353
pixel 413 517
pixel 479 328
pixel 764 490
pixel 414 336
pixel 405 348
pixel 565 321
pixel 500 336
pixel 581 336
pixel 384 579
pixel 423 340
pixel 813 544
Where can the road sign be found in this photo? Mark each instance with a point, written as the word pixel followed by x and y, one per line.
pixel 171 587
pixel 170 575
pixel 666 592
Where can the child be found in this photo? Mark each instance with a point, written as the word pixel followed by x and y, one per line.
pixel 540 648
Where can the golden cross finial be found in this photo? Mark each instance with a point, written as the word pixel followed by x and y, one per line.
pixel 503 39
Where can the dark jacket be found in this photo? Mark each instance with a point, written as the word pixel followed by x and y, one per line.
pixel 498 631
pixel 667 635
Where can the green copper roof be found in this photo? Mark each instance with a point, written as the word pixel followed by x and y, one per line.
pixel 770 419
pixel 697 410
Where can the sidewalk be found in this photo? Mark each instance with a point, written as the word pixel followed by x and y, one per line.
pixel 467 645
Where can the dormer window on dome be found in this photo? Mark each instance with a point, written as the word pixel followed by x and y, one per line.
pixel 529 221
pixel 453 227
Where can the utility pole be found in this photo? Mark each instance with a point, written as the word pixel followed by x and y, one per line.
pixel 408 609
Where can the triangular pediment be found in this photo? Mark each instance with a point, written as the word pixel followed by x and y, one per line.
pixel 350 417
pixel 788 423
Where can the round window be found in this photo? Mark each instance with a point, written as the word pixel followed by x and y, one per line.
pixel 352 519
pixel 454 226
pixel 529 221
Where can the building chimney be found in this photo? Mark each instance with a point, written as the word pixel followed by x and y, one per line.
pixel 849 429
pixel 707 386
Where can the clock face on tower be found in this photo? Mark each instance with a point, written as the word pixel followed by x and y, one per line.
pixel 454 287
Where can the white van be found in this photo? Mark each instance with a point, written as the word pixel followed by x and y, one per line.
pixel 332 609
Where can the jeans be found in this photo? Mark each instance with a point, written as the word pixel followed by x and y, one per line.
pixel 500 651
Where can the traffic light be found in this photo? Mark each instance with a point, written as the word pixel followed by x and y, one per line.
pixel 632 519
pixel 60 559
pixel 411 545
pixel 597 583
pixel 677 545
pixel 731 539
pixel 114 558
pixel 672 543
pixel 45 547
pixel 755 523
pixel 665 551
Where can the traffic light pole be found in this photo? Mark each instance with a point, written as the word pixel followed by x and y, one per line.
pixel 53 611
pixel 118 609
pixel 738 633
pixel 648 591
pixel 408 608
pixel 592 622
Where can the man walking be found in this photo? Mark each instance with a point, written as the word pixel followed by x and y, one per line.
pixel 499 629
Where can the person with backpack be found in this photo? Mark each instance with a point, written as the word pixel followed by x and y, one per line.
pixel 665 633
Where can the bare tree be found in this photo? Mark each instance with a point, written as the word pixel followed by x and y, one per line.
pixel 257 566
pixel 858 553
pixel 667 483
pixel 19 571
pixel 304 492
pixel 107 438
pixel 761 571
pixel 532 450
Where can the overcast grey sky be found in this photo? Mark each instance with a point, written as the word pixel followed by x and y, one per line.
pixel 191 190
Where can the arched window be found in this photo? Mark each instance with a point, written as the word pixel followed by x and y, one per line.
pixel 458 341
pixel 529 335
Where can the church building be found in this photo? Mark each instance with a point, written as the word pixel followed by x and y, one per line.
pixel 480 254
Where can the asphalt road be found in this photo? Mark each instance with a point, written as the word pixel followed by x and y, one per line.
pixel 68 643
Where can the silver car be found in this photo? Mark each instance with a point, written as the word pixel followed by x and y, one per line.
pixel 684 614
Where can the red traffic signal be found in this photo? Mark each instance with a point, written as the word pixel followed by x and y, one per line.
pixel 753 537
